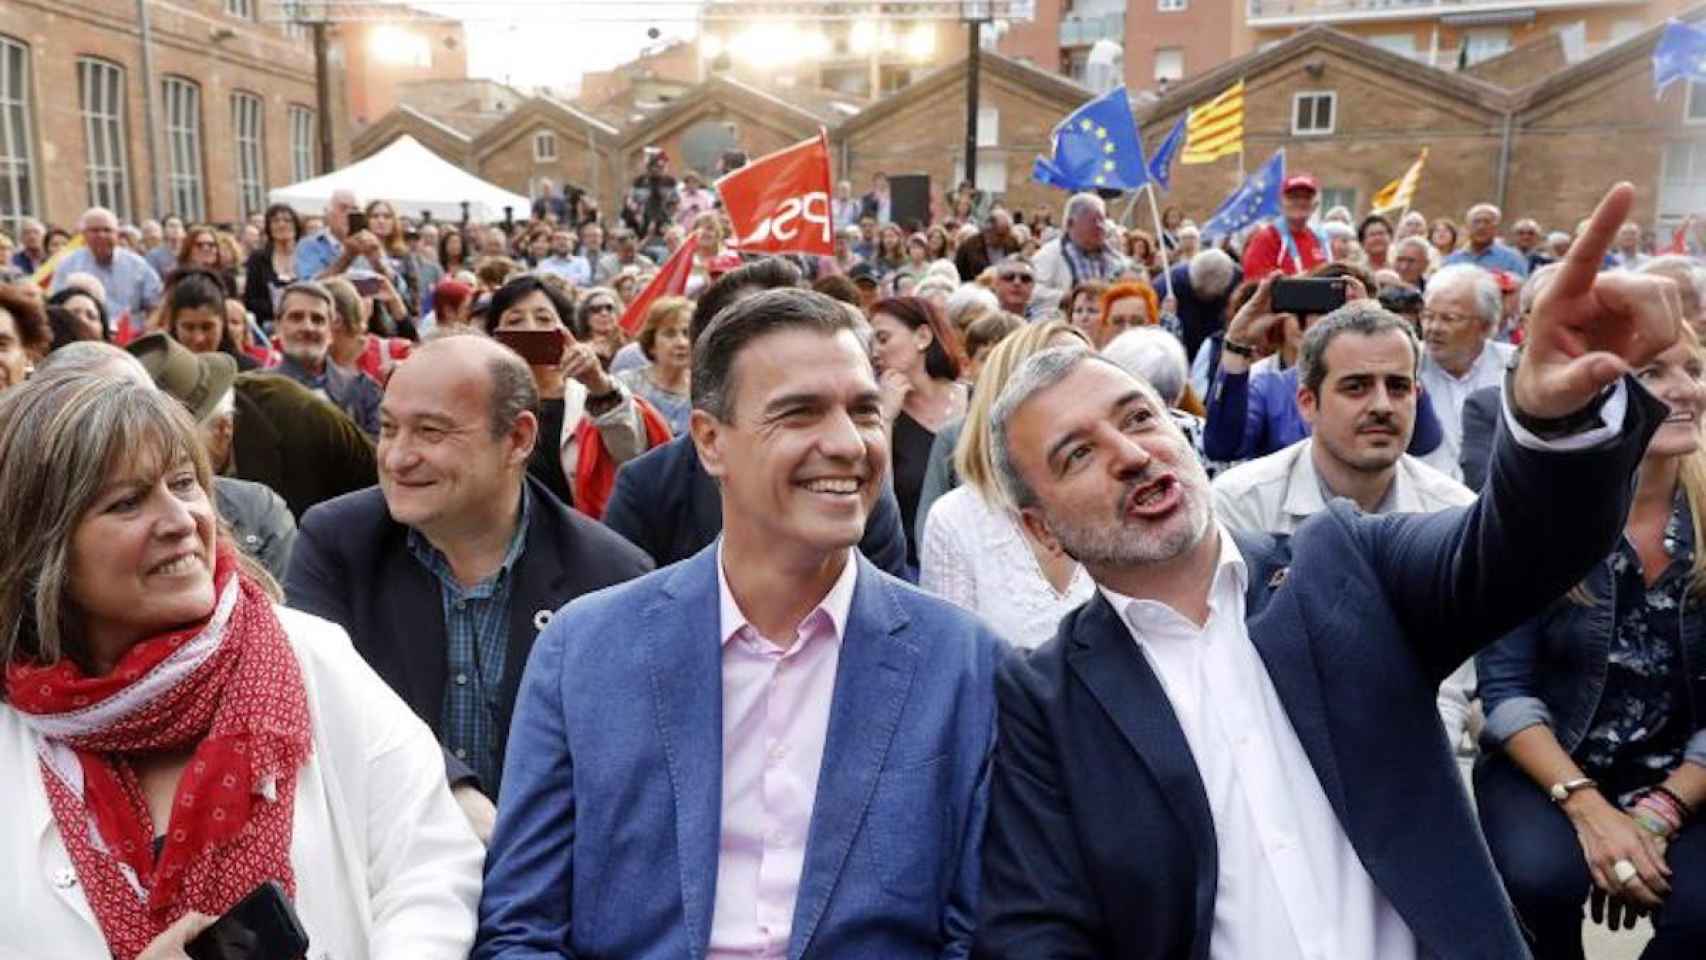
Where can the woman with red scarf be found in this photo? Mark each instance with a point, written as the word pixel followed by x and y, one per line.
pixel 172 738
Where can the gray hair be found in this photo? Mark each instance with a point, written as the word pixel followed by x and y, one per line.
pixel 1526 223
pixel 1078 203
pixel 1531 287
pixel 1488 302
pixel 1415 240
pixel 1365 317
pixel 968 302
pixel 94 358
pixel 1211 273
pixel 310 288
pixel 1154 356
pixel 1689 276
pixel 1498 215
pixel 1037 373
pixel 61 437
pixel 94 212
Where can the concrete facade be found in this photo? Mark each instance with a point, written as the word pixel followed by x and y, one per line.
pixel 197 41
pixel 379 58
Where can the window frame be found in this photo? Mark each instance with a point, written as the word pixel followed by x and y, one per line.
pixel 102 106
pixel 185 174
pixel 1687 184
pixel 1332 97
pixel 17 156
pixel 542 138
pixel 249 152
pixel 304 142
pixel 1688 103
pixel 1172 6
pixel 241 9
pixel 1156 72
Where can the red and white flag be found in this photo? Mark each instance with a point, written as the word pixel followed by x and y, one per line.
pixel 671 281
pixel 780 203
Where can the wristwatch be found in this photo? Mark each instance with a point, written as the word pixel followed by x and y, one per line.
pixel 1561 790
pixel 1238 349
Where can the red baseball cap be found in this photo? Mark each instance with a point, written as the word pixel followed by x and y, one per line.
pixel 1301 181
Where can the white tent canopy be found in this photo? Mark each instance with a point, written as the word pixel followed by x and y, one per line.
pixel 415 180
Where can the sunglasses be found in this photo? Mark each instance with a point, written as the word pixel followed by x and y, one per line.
pixel 1017 278
pixel 601 308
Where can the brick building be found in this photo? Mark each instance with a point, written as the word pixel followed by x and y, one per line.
pixel 1164 41
pixel 378 59
pixel 221 108
pixel 1355 115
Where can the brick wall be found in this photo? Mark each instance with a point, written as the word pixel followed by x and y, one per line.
pixel 1200 32
pixel 257 58
pixel 509 162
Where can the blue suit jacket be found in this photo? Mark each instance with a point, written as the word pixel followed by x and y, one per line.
pixel 608 830
pixel 1101 841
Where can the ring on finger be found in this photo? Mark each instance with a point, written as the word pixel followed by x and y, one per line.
pixel 1624 871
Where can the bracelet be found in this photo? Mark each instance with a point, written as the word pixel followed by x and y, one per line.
pixel 1238 349
pixel 1665 805
pixel 1654 825
pixel 1670 795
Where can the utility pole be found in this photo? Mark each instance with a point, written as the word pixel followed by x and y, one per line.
pixel 974 53
pixel 323 92
pixel 156 183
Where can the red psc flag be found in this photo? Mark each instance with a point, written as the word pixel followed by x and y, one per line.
pixel 670 281
pixel 780 203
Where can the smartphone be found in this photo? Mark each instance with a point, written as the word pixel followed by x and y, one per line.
pixel 263 926
pixel 1308 295
pixel 366 285
pixel 540 348
pixel 357 221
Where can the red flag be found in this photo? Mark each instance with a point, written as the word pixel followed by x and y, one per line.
pixel 780 203
pixel 671 281
pixel 1679 239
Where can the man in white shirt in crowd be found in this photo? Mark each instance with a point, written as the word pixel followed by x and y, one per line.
pixel 131 285
pixel 1462 310
pixel 1233 751
pixel 1356 388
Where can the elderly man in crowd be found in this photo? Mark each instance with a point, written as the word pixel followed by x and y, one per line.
pixel 306 312
pixel 163 254
pixel 789 754
pixel 1485 249
pixel 32 246
pixel 1626 252
pixel 1233 750
pixel 1290 245
pixel 665 502
pixel 1529 240
pixel 271 430
pixel 1462 312
pixel 132 287
pixel 1201 287
pixel 333 249
pixel 445 573
pixel 1079 254
pixel 1357 386
pixel 988 247
pixel 1411 257
pixel 602 265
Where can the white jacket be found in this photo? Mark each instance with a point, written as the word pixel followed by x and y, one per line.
pixel 386 865
pixel 1276 493
pixel 1054 274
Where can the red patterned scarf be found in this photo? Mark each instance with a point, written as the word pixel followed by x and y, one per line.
pixel 230 687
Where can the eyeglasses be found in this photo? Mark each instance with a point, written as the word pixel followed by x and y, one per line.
pixel 1449 319
pixel 601 308
pixel 1017 278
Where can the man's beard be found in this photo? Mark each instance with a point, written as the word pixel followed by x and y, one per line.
pixel 1116 545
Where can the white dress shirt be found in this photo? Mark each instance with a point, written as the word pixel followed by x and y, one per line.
pixel 1448 393
pixel 1291 886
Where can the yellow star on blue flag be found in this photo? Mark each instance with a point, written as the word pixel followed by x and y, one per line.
pixel 1097 146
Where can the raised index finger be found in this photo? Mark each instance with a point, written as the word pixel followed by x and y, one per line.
pixel 1582 263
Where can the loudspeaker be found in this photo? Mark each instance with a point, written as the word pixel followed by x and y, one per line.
pixel 909 200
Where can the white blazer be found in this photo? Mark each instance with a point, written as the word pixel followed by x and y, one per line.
pixel 386 865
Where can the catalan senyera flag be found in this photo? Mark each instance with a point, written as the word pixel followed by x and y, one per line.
pixel 1216 129
pixel 1398 194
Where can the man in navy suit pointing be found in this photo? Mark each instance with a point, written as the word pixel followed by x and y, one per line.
pixel 1232 750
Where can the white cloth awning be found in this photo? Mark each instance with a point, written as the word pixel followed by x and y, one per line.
pixel 414 180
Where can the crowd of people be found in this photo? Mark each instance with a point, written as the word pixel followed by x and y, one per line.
pixel 1017 584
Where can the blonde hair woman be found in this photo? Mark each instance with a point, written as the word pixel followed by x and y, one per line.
pixel 172 737
pixel 1604 694
pixel 975 552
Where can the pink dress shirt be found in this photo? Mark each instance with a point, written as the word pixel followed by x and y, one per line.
pixel 776 701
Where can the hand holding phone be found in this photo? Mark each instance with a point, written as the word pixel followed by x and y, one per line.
pixel 540 348
pixel 263 926
pixel 1308 295
pixel 357 222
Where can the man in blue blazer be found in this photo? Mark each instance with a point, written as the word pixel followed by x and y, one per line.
pixel 1232 751
pixel 771 748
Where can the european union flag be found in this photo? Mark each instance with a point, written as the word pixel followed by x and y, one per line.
pixel 1096 148
pixel 1257 200
pixel 1161 165
pixel 1680 55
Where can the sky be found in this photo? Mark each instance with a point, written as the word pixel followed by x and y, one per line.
pixel 531 43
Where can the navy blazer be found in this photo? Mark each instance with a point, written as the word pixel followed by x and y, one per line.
pixel 1101 841
pixel 667 505
pixel 607 836
pixel 352 565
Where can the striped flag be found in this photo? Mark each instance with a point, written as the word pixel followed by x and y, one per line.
pixel 1399 194
pixel 1216 129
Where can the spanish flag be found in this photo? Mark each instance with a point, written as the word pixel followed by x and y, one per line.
pixel 1398 194
pixel 1216 129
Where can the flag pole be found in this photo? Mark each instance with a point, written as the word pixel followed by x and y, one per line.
pixel 1160 244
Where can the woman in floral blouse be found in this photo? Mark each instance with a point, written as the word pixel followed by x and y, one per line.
pixel 1596 714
